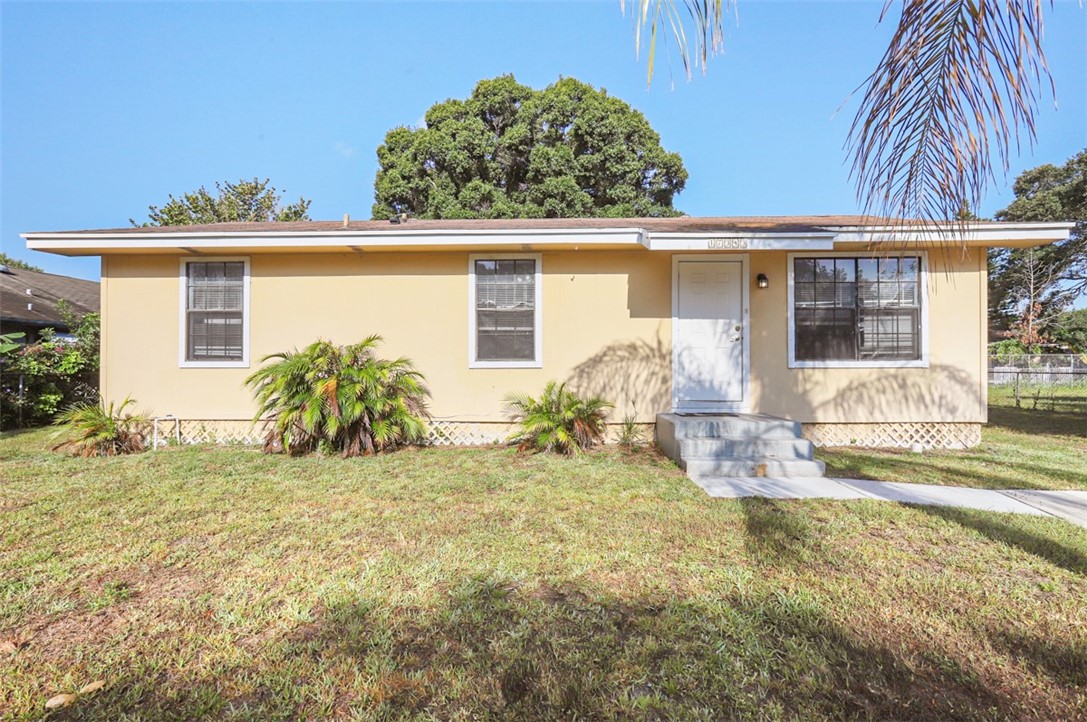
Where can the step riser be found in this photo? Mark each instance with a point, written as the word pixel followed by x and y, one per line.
pixel 796 449
pixel 729 429
pixel 701 468
pixel 741 445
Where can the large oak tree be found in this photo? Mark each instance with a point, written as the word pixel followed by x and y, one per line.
pixel 508 151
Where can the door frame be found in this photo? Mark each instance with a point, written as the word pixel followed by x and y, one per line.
pixel 745 288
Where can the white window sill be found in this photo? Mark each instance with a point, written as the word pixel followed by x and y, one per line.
pixel 505 365
pixel 920 364
pixel 214 364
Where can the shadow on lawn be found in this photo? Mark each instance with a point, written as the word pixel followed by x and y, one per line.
pixel 1064 660
pixel 493 650
pixel 991 526
pixel 942 468
pixel 1031 421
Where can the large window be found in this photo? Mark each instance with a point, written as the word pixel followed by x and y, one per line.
pixel 857 310
pixel 505 311
pixel 214 311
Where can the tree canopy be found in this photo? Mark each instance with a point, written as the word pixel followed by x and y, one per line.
pixel 1032 286
pixel 509 151
pixel 246 200
pixel 10 262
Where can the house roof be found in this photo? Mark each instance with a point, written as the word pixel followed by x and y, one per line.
pixel 32 297
pixel 678 224
pixel 666 234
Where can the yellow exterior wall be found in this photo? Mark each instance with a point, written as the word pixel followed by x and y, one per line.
pixel 951 389
pixel 606 328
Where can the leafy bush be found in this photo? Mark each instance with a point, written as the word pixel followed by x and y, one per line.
pixel 10 341
pixel 96 430
pixel 340 398
pixel 54 373
pixel 558 421
pixel 1008 347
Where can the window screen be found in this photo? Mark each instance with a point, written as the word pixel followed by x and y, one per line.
pixel 505 310
pixel 214 311
pixel 857 309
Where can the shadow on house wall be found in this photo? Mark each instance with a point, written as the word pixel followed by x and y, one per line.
pixel 634 372
pixel 938 393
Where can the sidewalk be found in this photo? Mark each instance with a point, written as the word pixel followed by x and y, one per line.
pixel 1068 505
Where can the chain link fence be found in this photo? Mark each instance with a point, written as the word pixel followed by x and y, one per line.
pixel 1048 382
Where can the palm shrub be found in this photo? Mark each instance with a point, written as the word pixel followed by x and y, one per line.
pixel 98 430
pixel 559 420
pixel 343 398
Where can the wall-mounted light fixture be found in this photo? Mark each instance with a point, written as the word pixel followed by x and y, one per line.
pixel 762 280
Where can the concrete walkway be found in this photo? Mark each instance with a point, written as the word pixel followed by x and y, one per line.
pixel 1068 505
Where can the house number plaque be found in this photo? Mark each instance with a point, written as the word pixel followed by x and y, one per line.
pixel 726 244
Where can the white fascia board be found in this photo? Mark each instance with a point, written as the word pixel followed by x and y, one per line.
pixel 347 239
pixel 970 234
pixel 740 241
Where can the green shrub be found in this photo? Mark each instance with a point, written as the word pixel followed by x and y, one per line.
pixel 96 430
pixel 39 379
pixel 558 421
pixel 340 398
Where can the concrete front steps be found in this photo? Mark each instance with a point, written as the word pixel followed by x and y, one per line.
pixel 714 445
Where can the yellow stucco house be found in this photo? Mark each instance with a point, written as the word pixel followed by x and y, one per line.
pixel 793 317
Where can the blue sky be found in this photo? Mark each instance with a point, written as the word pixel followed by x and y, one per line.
pixel 110 107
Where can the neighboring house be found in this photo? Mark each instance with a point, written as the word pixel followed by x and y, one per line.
pixel 794 317
pixel 29 301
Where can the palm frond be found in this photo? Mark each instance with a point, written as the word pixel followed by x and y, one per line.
pixel 98 430
pixel 956 89
pixel 706 16
pixel 955 92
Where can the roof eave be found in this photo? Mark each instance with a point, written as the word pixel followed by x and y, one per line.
pixel 838 237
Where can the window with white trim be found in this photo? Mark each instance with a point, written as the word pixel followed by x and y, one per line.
pixel 505 311
pixel 857 309
pixel 215 299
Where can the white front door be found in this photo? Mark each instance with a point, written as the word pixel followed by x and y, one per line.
pixel 708 352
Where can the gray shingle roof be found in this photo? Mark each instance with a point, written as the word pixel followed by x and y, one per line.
pixel 46 290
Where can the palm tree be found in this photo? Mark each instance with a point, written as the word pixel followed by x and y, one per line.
pixel 343 398
pixel 559 420
pixel 956 88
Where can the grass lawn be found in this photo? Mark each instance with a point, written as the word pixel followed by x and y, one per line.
pixel 481 584
pixel 1021 448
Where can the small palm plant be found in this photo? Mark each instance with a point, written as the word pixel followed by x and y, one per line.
pixel 631 435
pixel 559 420
pixel 343 398
pixel 98 430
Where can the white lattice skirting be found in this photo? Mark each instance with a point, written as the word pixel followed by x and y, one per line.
pixel 243 431
pixel 169 430
pixel 930 435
